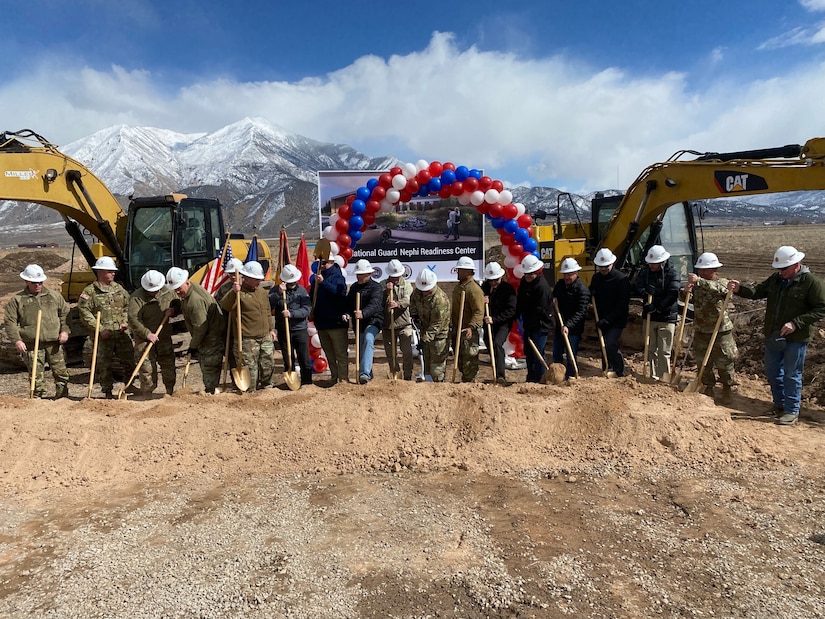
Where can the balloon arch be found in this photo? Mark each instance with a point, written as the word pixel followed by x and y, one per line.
pixel 422 179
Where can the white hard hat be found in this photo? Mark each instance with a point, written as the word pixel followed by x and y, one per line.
pixel 233 266
pixel 531 264
pixel 465 262
pixel 152 281
pixel 656 254
pixel 176 277
pixel 708 260
pixel 569 265
pixel 33 273
pixel 104 263
pixel 493 271
pixel 338 259
pixel 785 256
pixel 604 257
pixel 363 266
pixel 395 268
pixel 426 280
pixel 290 274
pixel 253 269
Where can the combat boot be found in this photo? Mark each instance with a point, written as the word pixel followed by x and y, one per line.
pixel 62 391
pixel 708 391
pixel 727 396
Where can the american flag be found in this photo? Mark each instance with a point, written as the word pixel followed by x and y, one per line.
pixel 216 276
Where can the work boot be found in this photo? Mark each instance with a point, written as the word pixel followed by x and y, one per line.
pixel 61 391
pixel 788 419
pixel 776 410
pixel 727 396
pixel 708 391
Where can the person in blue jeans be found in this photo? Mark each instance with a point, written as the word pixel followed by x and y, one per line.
pixel 370 315
pixel 795 301
pixel 573 299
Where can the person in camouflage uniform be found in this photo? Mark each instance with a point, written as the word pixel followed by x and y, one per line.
pixel 234 266
pixel 471 319
pixel 109 298
pixel 430 305
pixel 709 291
pixel 257 332
pixel 147 307
pixel 397 316
pixel 21 327
pixel 205 323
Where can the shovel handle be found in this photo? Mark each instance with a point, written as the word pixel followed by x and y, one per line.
pixel 601 336
pixel 490 339
pixel 394 360
pixel 94 356
pixel 458 334
pixel 566 339
pixel 36 347
pixel 238 317
pixel 712 341
pixel 143 356
pixel 681 332
pixel 538 354
pixel 357 336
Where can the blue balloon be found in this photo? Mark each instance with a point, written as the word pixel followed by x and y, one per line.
pixel 358 207
pixel 461 173
pixel 424 190
pixel 314 267
pixel 475 173
pixel 355 235
pixel 447 177
pixel 435 184
pixel 363 193
pixel 356 222
pixel 372 183
pixel 536 254
pixel 521 235
pixel 497 222
pixel 530 245
pixel 510 226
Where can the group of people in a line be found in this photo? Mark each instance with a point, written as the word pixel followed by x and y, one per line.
pixel 417 317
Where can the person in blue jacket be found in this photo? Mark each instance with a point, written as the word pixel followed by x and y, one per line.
pixel 330 313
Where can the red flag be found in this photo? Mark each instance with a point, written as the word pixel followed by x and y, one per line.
pixel 215 276
pixel 302 262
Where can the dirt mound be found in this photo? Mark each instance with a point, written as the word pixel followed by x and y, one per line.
pixel 14 262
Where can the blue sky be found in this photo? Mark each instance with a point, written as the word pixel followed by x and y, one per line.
pixel 575 95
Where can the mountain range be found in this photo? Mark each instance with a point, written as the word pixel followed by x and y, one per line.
pixel 266 177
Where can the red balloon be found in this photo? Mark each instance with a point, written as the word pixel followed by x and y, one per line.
pixel 436 168
pixel 423 176
pixel 525 221
pixel 343 240
pixel 350 199
pixel 513 281
pixel 509 211
pixel 506 239
pixel 494 210
pixel 385 181
pixel 471 183
pixel 373 206
pixel 314 352
pixel 484 183
pixel 448 165
pixel 483 208
pixel 378 193
pixel 394 172
pixel 319 364
pixel 457 188
pixel 524 254
pixel 406 196
pixel 369 218
pixel 516 249
pixel 412 186
pixel 497 185
pixel 342 225
pixel 445 192
pixel 514 337
pixel 346 253
pixel 345 211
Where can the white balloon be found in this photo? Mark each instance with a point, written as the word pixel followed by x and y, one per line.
pixel 399 181
pixel 311 330
pixel 464 198
pixel 477 197
pixel 333 248
pixel 330 233
pixel 315 340
pixel 408 170
pixel 518 271
pixel 491 197
pixel 393 195
pixel 505 197
pixel 521 210
pixel 387 207
pixel 505 250
pixel 421 165
pixel 509 348
pixel 510 262
pixel 333 218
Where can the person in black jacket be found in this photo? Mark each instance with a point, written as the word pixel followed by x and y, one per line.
pixel 500 297
pixel 330 315
pixel 658 283
pixel 370 314
pixel 573 299
pixel 610 289
pixel 290 302
pixel 535 308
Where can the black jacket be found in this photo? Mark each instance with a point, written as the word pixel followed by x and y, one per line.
pixel 298 303
pixel 534 305
pixel 573 303
pixel 502 303
pixel 372 307
pixel 612 295
pixel 666 284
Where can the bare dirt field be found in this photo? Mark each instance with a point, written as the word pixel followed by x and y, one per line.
pixel 604 498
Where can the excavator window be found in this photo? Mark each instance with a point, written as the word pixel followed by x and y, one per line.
pixel 150 242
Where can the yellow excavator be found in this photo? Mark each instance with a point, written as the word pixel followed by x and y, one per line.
pixel 154 233
pixel 656 208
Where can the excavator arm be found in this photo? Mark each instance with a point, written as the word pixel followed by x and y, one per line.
pixel 33 170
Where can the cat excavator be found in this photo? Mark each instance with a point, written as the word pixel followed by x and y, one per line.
pixel 657 209
pixel 153 233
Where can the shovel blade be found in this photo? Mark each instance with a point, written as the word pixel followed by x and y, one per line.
pixel 692 386
pixel 292 380
pixel 240 377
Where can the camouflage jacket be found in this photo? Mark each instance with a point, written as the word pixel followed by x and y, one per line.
pixel 111 301
pixel 708 295
pixel 433 310
pixel 21 316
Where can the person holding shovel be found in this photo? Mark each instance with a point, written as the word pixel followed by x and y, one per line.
pixel 500 299
pixel 257 335
pixel 534 305
pixel 471 317
pixel 329 294
pixel 205 323
pixel 431 307
pixel 291 303
pixel 610 289
pixel 573 300
pixel 660 282
pixel 369 311
pixel 396 299
pixel 149 305
pixel 108 297
pixel 709 291
pixel 22 328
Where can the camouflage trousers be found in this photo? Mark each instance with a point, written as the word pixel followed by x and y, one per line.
pixel 403 338
pixel 721 357
pixel 468 357
pixel 435 359
pixel 210 358
pixel 53 353
pixel 118 345
pixel 163 355
pixel 259 356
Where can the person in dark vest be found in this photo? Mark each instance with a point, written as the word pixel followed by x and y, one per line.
pixel 610 290
pixel 500 298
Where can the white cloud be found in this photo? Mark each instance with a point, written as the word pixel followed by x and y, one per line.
pixel 549 121
pixel 813 5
